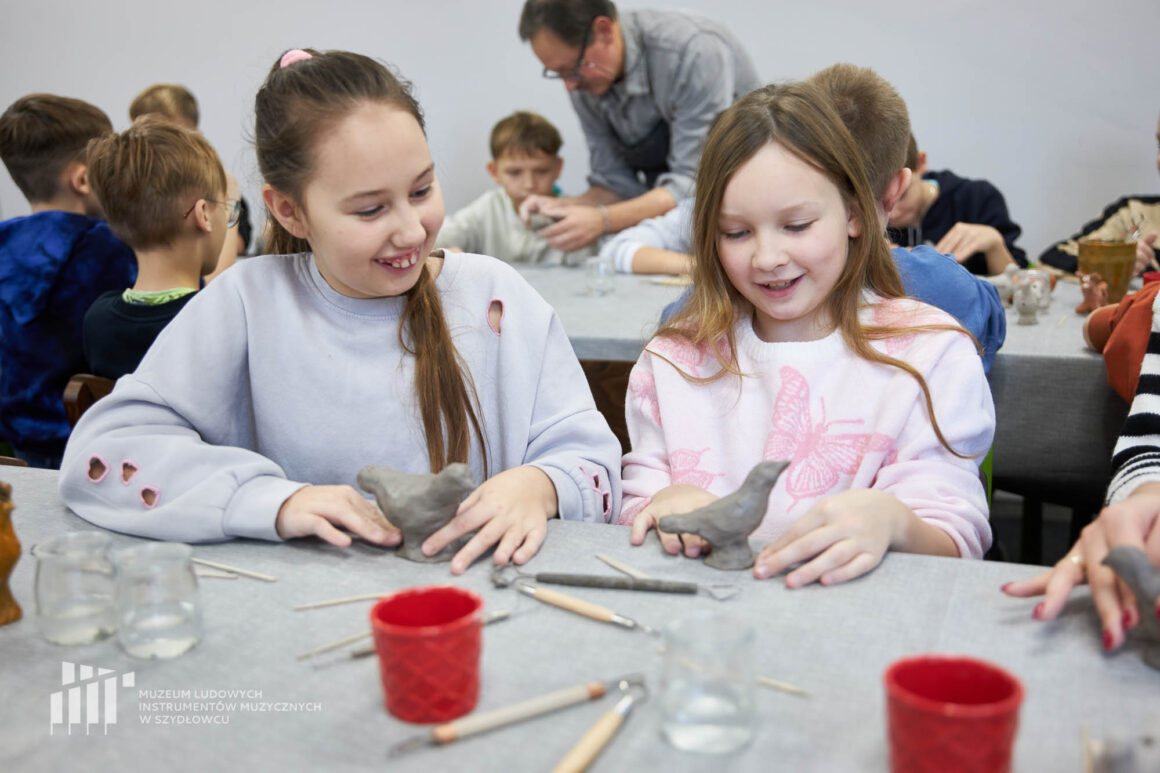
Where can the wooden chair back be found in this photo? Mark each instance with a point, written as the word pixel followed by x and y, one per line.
pixel 81 392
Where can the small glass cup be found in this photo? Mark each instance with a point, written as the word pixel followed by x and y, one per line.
pixel 74 588
pixel 158 610
pixel 707 684
pixel 601 275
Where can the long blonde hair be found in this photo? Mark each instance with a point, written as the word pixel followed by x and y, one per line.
pixel 800 118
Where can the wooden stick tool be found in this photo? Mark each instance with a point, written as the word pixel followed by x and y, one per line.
pixel 590 745
pixel 508 715
pixel 570 603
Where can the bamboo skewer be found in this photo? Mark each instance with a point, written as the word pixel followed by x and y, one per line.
pixel 620 566
pixel 216 574
pixel 344 600
pixel 765 681
pixel 243 572
pixel 335 645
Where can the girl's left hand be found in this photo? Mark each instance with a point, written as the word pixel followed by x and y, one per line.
pixel 845 535
pixel 511 508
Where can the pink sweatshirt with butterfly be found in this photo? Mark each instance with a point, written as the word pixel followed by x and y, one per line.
pixel 841 421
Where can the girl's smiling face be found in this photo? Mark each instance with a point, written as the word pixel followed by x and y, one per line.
pixel 372 207
pixel 783 235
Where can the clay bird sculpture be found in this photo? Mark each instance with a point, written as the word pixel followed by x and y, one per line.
pixel 419 504
pixel 727 523
pixel 1138 573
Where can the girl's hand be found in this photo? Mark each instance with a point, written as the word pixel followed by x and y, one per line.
pixel 845 535
pixel 678 498
pixel 1145 254
pixel 511 508
pixel 312 510
pixel 1134 521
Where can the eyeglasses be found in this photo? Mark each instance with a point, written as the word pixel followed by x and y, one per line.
pixel 235 210
pixel 575 74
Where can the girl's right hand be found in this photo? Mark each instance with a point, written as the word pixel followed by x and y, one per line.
pixel 678 498
pixel 312 510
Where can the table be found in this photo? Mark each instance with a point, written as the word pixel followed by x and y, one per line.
pixel 835 642
pixel 1057 419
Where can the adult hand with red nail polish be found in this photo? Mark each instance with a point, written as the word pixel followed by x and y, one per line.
pixel 1133 521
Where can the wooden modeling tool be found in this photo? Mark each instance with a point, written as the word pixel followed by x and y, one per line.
pixel 489 618
pixel 508 715
pixel 570 603
pixel 620 566
pixel 242 572
pixel 590 745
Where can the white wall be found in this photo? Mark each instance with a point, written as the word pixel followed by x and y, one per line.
pixel 1055 102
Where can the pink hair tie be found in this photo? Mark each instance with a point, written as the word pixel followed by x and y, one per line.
pixel 294 55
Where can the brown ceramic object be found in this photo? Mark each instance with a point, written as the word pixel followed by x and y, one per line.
pixel 419 504
pixel 9 554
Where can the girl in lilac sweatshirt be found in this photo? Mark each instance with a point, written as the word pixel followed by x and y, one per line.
pixel 799 344
pixel 254 410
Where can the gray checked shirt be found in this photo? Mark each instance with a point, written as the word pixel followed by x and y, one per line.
pixel 680 71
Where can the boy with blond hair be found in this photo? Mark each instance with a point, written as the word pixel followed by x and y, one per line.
pixel 53 263
pixel 165 194
pixel 525 161
pixel 171 100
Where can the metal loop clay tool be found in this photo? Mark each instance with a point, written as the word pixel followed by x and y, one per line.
pixel 719 591
pixel 509 715
pixel 593 742
pixel 504 576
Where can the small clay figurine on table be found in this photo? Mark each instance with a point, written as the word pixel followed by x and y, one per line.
pixel 1095 293
pixel 419 504
pixel 727 523
pixel 1027 303
pixel 1133 567
pixel 9 554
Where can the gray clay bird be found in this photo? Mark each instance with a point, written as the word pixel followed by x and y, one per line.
pixel 1138 573
pixel 727 523
pixel 419 504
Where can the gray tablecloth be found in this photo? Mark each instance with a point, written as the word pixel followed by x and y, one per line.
pixel 1057 418
pixel 284 714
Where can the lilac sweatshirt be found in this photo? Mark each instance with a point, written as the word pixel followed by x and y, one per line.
pixel 270 380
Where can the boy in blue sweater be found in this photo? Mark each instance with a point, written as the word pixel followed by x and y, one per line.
pixel 53 263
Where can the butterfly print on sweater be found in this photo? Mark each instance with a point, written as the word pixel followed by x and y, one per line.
pixel 817 458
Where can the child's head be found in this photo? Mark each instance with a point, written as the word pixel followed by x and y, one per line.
pixel 779 217
pixel 524 148
pixel 912 204
pixel 42 142
pixel 348 174
pixel 877 119
pixel 168 100
pixel 160 183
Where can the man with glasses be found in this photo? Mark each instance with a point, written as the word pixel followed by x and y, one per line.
pixel 646 86
pixel 166 195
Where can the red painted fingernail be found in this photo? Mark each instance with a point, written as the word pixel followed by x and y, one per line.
pixel 1108 641
pixel 1005 586
pixel 1126 620
pixel 1037 613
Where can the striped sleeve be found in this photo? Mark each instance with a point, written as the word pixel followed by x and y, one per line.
pixel 1136 458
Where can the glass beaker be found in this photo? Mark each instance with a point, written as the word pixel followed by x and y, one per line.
pixel 74 588
pixel 601 275
pixel 707 684
pixel 158 609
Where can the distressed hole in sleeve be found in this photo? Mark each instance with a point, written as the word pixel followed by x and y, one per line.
pixel 495 315
pixel 98 469
pixel 128 470
pixel 149 497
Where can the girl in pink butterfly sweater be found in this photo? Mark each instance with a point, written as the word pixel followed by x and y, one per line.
pixel 798 344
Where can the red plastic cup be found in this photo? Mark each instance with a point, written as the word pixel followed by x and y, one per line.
pixel 428 641
pixel 950 713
